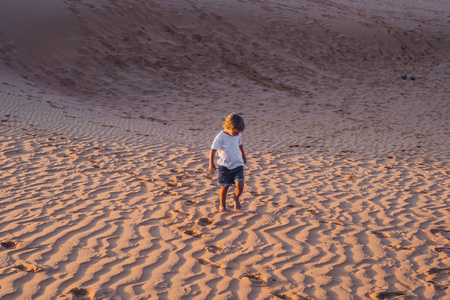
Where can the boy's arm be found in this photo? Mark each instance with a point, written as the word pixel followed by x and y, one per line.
pixel 241 148
pixel 212 166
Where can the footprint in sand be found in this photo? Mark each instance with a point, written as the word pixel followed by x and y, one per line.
pixel 438 271
pixel 434 231
pixel 401 247
pixel 381 234
pixel 333 222
pixel 191 202
pixel 438 286
pixel 81 292
pixel 274 203
pixel 28 268
pixel 144 178
pixel 215 248
pixel 337 223
pixel 174 184
pixel 205 221
pixel 9 244
pixel 389 295
pixel 280 295
pixel 205 261
pixel 442 249
pixel 256 193
pixel 256 278
pixel 193 232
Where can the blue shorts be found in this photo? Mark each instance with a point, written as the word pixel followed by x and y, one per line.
pixel 229 177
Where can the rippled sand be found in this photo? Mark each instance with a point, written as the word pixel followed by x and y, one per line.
pixel 108 110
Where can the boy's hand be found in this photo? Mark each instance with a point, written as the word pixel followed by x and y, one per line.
pixel 244 159
pixel 211 168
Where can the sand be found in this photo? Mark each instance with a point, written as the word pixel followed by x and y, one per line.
pixel 108 110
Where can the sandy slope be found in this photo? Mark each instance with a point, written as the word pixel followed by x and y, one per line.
pixel 108 109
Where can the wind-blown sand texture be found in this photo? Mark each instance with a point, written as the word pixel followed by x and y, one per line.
pixel 108 110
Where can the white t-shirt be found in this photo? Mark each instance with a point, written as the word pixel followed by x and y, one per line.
pixel 228 148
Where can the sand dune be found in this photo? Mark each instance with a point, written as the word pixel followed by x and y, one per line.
pixel 108 110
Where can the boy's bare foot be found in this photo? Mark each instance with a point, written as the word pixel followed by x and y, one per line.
pixel 222 209
pixel 237 204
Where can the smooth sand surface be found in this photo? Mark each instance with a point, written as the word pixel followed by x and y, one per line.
pixel 108 110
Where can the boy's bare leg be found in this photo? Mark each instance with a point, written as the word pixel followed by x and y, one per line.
pixel 238 191
pixel 222 197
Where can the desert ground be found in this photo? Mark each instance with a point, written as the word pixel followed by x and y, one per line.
pixel 108 110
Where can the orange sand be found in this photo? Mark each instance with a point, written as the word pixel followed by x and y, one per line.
pixel 108 110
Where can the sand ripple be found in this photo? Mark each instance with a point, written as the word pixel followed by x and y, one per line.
pixel 105 129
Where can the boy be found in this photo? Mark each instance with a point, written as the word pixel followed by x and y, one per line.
pixel 231 159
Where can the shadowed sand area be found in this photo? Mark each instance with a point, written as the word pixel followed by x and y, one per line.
pixel 108 110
